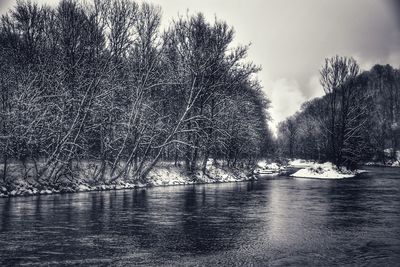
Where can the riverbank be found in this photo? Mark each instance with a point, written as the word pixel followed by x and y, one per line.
pixel 299 168
pixel 325 170
pixel 166 174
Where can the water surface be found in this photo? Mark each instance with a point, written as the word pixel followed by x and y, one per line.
pixel 276 222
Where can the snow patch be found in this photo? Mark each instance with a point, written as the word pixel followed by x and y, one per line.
pixel 324 171
pixel 265 168
pixel 170 175
pixel 301 163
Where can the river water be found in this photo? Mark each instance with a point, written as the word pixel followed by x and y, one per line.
pixel 275 222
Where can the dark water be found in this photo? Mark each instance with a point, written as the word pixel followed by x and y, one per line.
pixel 277 222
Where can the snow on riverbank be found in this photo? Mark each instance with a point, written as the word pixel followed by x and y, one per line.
pixel 300 163
pixel 163 175
pixel 308 169
pixel 324 171
pixel 265 168
pixel 389 162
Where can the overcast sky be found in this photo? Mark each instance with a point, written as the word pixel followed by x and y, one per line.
pixel 291 38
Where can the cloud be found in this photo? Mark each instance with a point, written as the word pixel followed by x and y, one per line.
pixel 286 98
pixel 315 87
pixel 4 5
pixel 394 59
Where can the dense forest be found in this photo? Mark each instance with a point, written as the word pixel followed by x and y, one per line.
pixel 102 85
pixel 358 119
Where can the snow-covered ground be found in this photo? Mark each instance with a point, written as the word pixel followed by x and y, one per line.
pixel 300 163
pixel 267 168
pixel 163 175
pixel 391 162
pixel 325 170
pixel 396 164
pixel 174 176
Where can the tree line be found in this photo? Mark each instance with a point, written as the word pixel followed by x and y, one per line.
pixel 357 120
pixel 100 86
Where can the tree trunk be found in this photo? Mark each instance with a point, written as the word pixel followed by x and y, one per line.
pixel 5 169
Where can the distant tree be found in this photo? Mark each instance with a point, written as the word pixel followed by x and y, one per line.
pixel 311 138
pixel 288 129
pixel 337 77
pixel 354 122
pixel 384 83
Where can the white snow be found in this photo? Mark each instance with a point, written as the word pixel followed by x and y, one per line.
pixel 262 164
pixel 170 175
pixel 46 192
pixel 324 171
pixel 301 163
pixel 273 166
pixel 265 168
pixel 269 166
pixel 83 188
pixel 165 176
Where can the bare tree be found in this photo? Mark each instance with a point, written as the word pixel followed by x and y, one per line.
pixel 336 75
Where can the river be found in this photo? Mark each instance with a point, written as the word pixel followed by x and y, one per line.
pixel 275 222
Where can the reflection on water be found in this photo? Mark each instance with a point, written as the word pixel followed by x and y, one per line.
pixel 267 222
